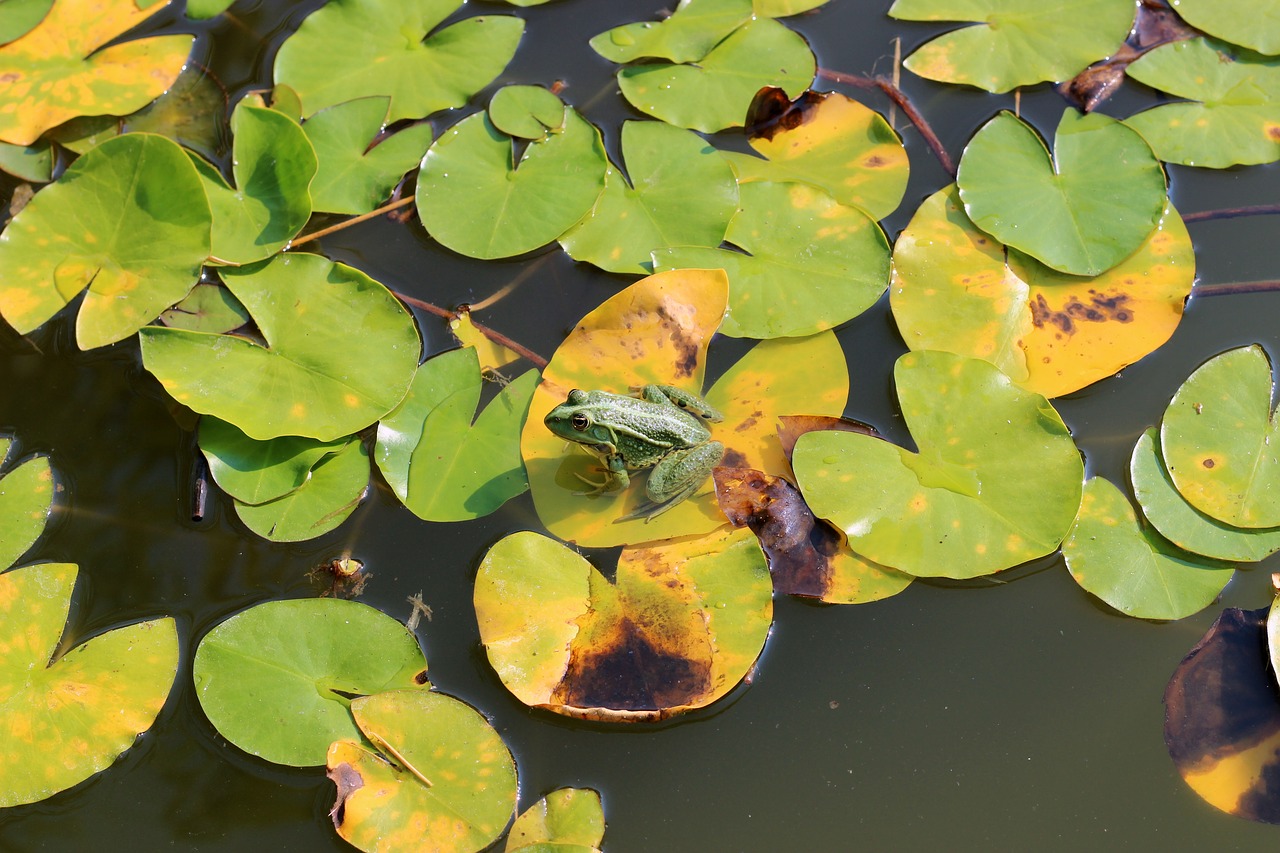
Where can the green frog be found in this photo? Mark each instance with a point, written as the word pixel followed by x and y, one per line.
pixel 663 430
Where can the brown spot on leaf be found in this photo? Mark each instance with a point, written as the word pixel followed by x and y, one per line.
pixel 348 780
pixel 734 459
pixel 686 361
pixel 1208 463
pixel 1098 309
pixel 791 427
pixel 1273 131
pixel 874 162
pixel 772 112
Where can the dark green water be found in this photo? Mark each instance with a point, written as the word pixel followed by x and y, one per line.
pixel 1019 714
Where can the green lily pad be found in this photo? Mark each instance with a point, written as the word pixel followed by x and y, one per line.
pixel 1081 211
pixel 255 472
pixel 141 234
pixel 59 69
pixel 526 112
pixel 29 162
pixel 957 289
pixel 207 308
pixel 1242 22
pixel 813 263
pixel 277 679
pixel 441 465
pixel 68 716
pixel 19 17
pixel 1221 440
pixel 1130 566
pixel 474 199
pixel 352 177
pixel 1184 525
pixel 444 781
pixel 714 93
pixel 394 55
pixel 681 193
pixel 783 8
pixel 325 372
pixel 834 143
pixel 202 10
pixel 1232 112
pixel 687 35
pixel 567 819
pixel 331 493
pixel 26 498
pixel 1016 42
pixel 273 164
pixel 996 481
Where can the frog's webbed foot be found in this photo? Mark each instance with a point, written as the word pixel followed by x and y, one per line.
pixel 610 485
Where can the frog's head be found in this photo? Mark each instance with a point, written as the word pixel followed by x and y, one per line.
pixel 578 419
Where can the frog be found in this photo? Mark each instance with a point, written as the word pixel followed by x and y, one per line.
pixel 663 429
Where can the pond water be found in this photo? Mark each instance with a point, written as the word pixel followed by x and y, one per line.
pixel 1014 712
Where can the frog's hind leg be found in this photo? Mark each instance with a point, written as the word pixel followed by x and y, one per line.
pixel 676 478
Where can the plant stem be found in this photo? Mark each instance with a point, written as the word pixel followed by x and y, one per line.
pixel 1231 212
pixel 497 337
pixel 355 220
pixel 1236 287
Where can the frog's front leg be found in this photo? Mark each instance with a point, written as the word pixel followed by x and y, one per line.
pixel 691 403
pixel 615 479
pixel 680 474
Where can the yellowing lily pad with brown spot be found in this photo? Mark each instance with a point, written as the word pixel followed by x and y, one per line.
pixel 59 69
pixel 958 289
pixel 678 629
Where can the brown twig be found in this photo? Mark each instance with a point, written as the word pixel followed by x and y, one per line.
pixel 904 103
pixel 497 337
pixel 355 220
pixel 1236 287
pixel 1231 212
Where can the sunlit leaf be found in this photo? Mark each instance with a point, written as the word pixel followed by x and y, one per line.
pixel 277 679
pixel 356 48
pixel 714 93
pixel 253 471
pixel 203 9
pixel 492 355
pixel 1082 210
pixel 807 557
pixel 473 198
pixel 567 819
pixel 678 629
pixel 128 220
pixel 1184 525
pixel 18 17
pixel 996 481
pixel 957 289
pixel 1130 566
pixel 273 164
pixel 327 371
pixel 1221 439
pixel 782 8
pixel 26 498
pixel 1016 42
pixel 444 780
pixel 1243 22
pixel 29 162
pixel 207 308
pixel 1231 115
pixel 68 716
pixel 352 177
pixel 526 112
pixel 59 69
pixel 441 465
pixel 827 140
pixel 1222 718
pixel 330 494
pixel 813 263
pixel 681 193
pixel 687 35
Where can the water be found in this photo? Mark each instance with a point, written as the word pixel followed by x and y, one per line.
pixel 1010 713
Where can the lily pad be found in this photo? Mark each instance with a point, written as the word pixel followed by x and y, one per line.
pixel 394 55
pixel 29 162
pixel 957 289
pixel 1222 718
pixel 273 164
pixel 783 8
pixel 331 493
pixel 444 780
pixel 714 93
pixel 1130 566
pixel 687 35
pixel 1242 22
pixel 353 177
pixel 253 471
pixel 277 680
pixel 1231 115
pixel 681 193
pixel 441 465
pixel 18 17
pixel 1184 525
pixel 567 819
pixel 203 9
pixel 827 140
pixel 677 630
pixel 813 263
pixel 1016 42
pixel 326 372
pixel 473 198
pixel 996 481
pixel 68 716
pixel 141 234
pixel 1221 440
pixel 207 308
pixel 26 499
pixel 1082 210
pixel 526 112
pixel 59 69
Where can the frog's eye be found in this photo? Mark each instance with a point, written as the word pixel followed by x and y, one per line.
pixel 579 421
